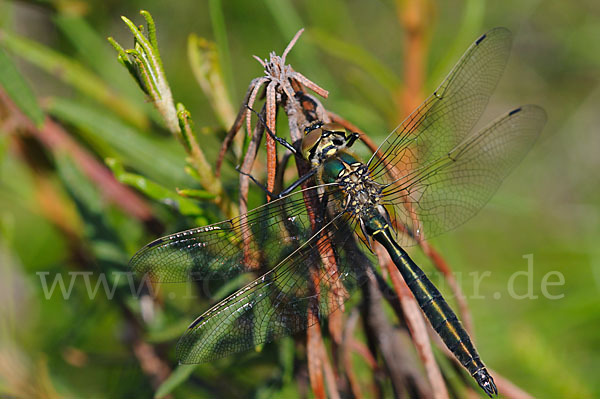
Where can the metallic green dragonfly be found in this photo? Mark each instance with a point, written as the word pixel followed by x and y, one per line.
pixel 431 174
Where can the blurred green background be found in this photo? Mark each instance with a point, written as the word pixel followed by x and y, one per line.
pixel 54 219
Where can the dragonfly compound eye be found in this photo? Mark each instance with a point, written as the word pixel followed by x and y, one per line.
pixel 334 128
pixel 310 140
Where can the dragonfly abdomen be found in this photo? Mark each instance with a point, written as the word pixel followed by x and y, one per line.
pixel 438 312
pixel 445 323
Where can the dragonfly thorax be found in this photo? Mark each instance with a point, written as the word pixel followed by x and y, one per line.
pixel 361 193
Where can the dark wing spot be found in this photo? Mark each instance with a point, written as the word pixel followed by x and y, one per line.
pixel 155 242
pixel 514 111
pixel 195 322
pixel 480 39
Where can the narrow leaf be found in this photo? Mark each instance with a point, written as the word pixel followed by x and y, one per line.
pixel 195 193
pixel 220 31
pixel 18 90
pixel 154 190
pixel 158 161
pixel 208 72
pixel 177 377
pixel 74 74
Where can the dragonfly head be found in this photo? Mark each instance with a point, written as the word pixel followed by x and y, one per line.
pixel 323 140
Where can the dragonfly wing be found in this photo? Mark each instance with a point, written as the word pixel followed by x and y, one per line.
pixel 449 114
pixel 306 286
pixel 445 193
pixel 254 241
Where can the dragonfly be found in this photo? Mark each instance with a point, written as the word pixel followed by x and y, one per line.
pixel 311 246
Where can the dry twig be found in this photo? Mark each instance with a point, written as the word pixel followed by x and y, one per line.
pixel 279 80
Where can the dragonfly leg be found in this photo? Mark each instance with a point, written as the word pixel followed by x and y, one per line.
pixel 351 139
pixel 297 183
pixel 259 184
pixel 285 192
pixel 280 140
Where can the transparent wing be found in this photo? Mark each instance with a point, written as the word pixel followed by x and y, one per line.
pixel 256 241
pixel 444 193
pixel 306 286
pixel 449 114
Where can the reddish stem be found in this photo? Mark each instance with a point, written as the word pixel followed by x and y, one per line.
pixel 270 142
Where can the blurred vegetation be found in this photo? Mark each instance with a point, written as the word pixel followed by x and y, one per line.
pixel 61 210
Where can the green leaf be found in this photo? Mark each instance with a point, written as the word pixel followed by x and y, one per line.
pixel 152 33
pixel 74 74
pixel 220 31
pixel 87 43
pixel 195 193
pixel 77 184
pixel 146 45
pixel 207 69
pixel 18 90
pixel 170 332
pixel 147 156
pixel 155 190
pixel 145 64
pixel 197 157
pixel 177 377
pixel 286 17
pixel 286 358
